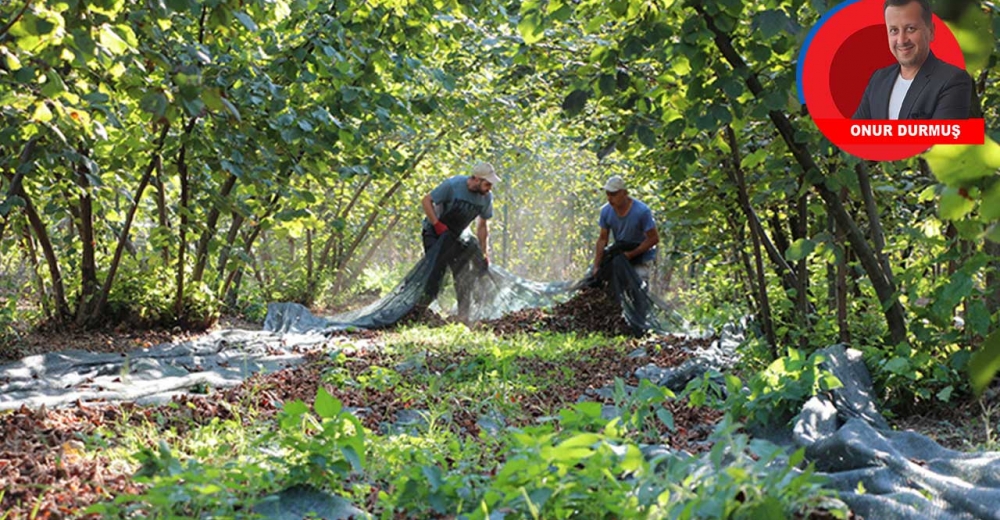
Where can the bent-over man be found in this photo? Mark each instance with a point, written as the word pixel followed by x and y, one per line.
pixel 450 208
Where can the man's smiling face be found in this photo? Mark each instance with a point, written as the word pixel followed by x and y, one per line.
pixel 910 36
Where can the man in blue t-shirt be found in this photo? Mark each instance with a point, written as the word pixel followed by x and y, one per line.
pixel 632 224
pixel 451 207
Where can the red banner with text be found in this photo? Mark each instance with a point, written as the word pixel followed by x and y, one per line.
pixel 904 131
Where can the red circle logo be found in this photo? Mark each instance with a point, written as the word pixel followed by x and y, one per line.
pixel 845 50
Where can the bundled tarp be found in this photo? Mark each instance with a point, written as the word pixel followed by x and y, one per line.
pixel 885 474
pixel 881 474
pixel 490 293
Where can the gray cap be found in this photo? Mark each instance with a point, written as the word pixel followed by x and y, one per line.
pixel 484 170
pixel 615 183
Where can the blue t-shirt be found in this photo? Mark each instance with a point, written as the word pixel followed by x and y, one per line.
pixel 630 228
pixel 456 206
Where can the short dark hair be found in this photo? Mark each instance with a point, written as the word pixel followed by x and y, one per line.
pixel 924 4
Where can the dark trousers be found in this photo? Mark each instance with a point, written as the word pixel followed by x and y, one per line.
pixel 456 257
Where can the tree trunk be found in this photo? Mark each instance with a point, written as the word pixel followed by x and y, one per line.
pixel 161 207
pixel 29 249
pixel 337 235
pixel 236 275
pixel 753 292
pixel 874 221
pixel 408 170
pixel 884 288
pixel 800 231
pixel 17 178
pixel 211 224
pixel 85 227
pixel 102 298
pixel 841 291
pixel 993 279
pixel 757 235
pixel 340 277
pixel 58 292
pixel 182 175
pixel 310 274
pixel 234 232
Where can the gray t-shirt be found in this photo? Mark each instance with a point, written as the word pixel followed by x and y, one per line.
pixel 456 206
pixel 630 228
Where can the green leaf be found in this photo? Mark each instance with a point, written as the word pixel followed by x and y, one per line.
pixel 531 27
pixel 975 37
pixel 155 103
pixel 576 447
pixel 326 405
pixel 959 286
pixel 111 41
pixel 945 393
pixel 985 362
pixel 10 203
pixel 232 109
pixel 770 22
pixel 13 63
pixel 666 417
pixel 292 412
pixel 575 101
pixel 432 475
pixel 898 365
pixel 42 114
pixel 954 205
pixel 246 21
pixel 977 316
pixel 646 136
pixel 607 84
pixel 353 456
pixel 958 164
pixel 989 209
pixel 800 249
pixel 212 97
pixel 993 233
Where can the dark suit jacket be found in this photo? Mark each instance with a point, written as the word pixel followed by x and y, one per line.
pixel 939 91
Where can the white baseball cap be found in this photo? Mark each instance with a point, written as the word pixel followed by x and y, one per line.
pixel 484 170
pixel 615 183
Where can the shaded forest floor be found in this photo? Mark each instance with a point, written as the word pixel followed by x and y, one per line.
pixel 964 425
pixel 44 464
pixel 42 449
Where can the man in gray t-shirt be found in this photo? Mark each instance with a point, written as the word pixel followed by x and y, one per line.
pixel 632 224
pixel 451 207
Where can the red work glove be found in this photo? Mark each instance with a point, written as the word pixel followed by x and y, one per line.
pixel 440 228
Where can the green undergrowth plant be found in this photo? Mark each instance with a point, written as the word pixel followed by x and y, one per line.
pixel 222 469
pixel 739 478
pixel 906 377
pixel 642 410
pixel 584 466
pixel 585 460
pixel 773 396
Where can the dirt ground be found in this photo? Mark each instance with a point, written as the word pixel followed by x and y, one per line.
pixel 38 447
pixel 966 425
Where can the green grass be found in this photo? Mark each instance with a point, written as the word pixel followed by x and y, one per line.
pixel 542 469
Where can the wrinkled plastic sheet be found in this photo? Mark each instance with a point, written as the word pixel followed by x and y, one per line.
pixel 151 375
pixel 493 293
pixel 886 474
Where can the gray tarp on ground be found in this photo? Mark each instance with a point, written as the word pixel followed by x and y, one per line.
pixel 903 474
pixel 151 375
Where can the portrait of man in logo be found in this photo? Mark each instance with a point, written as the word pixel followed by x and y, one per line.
pixel 918 85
